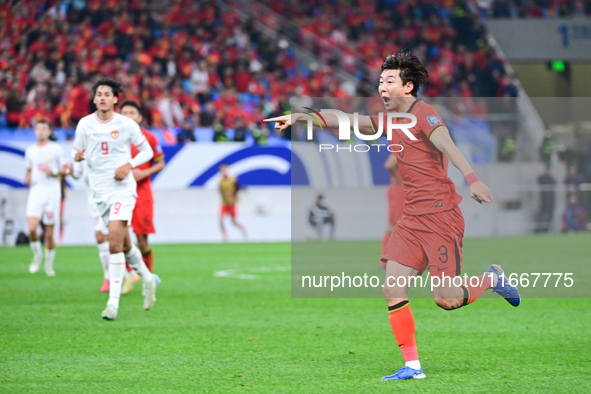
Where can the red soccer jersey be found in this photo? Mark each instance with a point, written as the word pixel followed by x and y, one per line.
pixel 423 168
pixel 145 185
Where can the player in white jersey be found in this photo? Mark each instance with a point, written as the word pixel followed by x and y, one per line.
pixel 100 229
pixel 104 140
pixel 44 163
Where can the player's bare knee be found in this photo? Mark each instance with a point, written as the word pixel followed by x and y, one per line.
pixel 115 244
pixel 447 303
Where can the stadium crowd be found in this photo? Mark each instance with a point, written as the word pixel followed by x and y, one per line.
pixel 448 36
pixel 192 64
pixel 534 8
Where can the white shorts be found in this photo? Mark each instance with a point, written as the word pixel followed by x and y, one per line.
pixel 44 205
pixel 117 208
pixel 99 224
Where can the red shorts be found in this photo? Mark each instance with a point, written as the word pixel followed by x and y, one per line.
pixel 228 210
pixel 142 220
pixel 434 239
pixel 395 196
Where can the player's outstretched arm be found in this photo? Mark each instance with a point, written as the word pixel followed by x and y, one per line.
pixel 331 120
pixel 442 141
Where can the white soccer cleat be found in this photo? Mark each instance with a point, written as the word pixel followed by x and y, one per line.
pixel 149 290
pixel 49 271
pixel 128 283
pixel 110 313
pixel 35 264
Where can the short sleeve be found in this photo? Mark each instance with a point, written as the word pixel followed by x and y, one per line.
pixel 28 162
pixel 375 122
pixel 135 133
pixel 156 148
pixel 80 138
pixel 430 121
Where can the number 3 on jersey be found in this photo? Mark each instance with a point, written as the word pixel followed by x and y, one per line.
pixel 105 147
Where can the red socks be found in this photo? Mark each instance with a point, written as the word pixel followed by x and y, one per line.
pixel 473 290
pixel 148 260
pixel 403 327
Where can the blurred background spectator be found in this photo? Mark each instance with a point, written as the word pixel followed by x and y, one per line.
pixel 319 217
pixel 546 211
pixel 573 218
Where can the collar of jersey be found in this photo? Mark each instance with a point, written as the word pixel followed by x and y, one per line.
pixel 104 121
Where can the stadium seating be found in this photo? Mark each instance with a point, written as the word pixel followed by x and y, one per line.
pixel 177 56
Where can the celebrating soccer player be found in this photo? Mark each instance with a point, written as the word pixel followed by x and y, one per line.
pixel 142 220
pixel 44 163
pixel 104 140
pixel 431 228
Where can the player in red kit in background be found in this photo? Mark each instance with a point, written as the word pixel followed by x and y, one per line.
pixel 395 196
pixel 142 220
pixel 430 231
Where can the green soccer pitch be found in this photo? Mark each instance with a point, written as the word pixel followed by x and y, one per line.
pixel 242 331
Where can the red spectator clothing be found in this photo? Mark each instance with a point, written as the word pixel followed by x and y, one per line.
pixel 185 68
pixel 242 80
pixel 34 114
pixel 161 49
pixel 144 58
pixel 62 113
pixel 4 10
pixel 125 26
pixel 156 116
pixel 106 28
pixel 80 101
pixel 39 47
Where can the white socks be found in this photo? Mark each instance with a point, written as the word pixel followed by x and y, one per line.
pixel 49 256
pixel 116 273
pixel 36 248
pixel 134 258
pixel 414 364
pixel 104 256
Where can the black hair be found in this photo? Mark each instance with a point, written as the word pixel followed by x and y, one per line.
pixel 44 121
pixel 131 103
pixel 115 86
pixel 411 70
